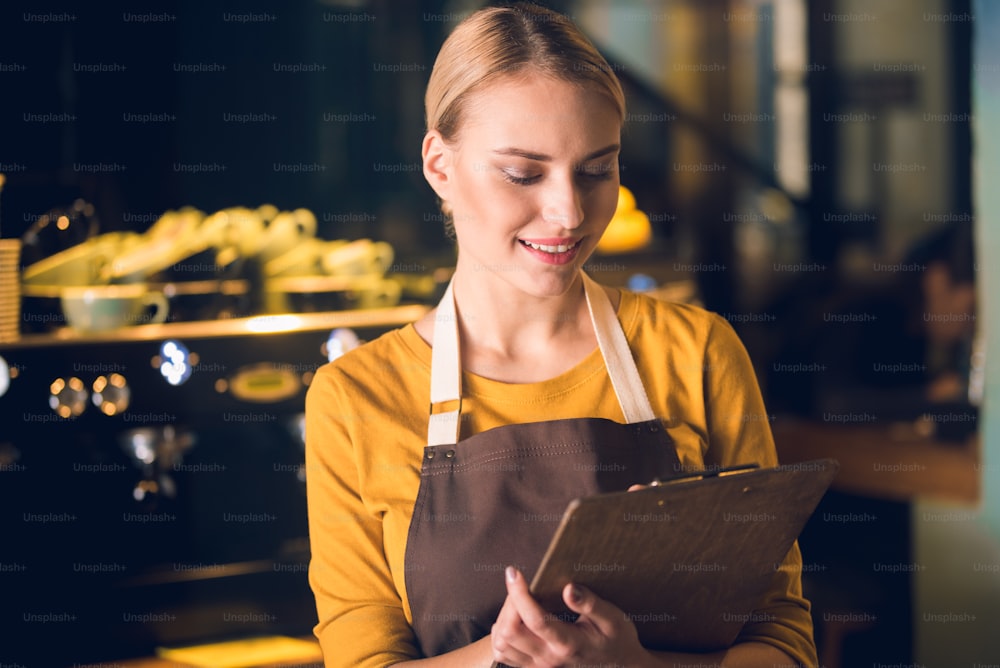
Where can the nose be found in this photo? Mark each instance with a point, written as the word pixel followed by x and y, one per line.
pixel 562 203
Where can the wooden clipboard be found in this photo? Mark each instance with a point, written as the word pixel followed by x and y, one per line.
pixel 690 560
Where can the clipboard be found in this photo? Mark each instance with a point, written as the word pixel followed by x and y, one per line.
pixel 689 560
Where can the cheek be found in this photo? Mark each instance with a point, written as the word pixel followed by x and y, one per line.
pixel 490 195
pixel 605 201
pixel 482 200
pixel 472 182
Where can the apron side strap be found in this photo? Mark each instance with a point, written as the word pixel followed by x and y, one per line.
pixel 618 358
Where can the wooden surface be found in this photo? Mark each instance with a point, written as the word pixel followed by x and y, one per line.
pixel 889 462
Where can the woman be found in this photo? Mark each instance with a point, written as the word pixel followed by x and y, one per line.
pixel 426 524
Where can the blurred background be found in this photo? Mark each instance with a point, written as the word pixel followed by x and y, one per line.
pixel 805 169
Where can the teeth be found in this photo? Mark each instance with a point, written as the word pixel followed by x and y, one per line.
pixel 562 248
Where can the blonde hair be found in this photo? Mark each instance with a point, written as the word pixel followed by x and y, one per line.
pixel 499 42
pixel 507 41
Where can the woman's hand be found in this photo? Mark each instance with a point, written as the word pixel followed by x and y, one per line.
pixel 527 636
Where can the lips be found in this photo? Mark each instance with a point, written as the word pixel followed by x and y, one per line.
pixel 555 246
pixel 555 251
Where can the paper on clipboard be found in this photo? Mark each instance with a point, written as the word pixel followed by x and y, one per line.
pixel 688 562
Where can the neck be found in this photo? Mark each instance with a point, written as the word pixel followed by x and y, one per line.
pixel 495 316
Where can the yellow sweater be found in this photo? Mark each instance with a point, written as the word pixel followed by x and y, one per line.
pixel 366 426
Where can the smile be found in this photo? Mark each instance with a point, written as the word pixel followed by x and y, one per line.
pixel 562 248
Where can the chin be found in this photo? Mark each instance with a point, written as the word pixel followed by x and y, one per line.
pixel 550 283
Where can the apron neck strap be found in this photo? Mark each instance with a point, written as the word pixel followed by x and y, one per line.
pixel 446 373
pixel 617 356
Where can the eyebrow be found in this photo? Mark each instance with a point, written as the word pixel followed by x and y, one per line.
pixel 541 157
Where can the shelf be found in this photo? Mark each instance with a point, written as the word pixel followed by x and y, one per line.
pixel 252 326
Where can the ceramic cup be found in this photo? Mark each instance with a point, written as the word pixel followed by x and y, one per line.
pixel 287 230
pixel 235 232
pixel 87 263
pixel 10 289
pixel 105 307
pixel 299 260
pixel 357 258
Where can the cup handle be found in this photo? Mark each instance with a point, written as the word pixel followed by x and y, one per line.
pixel 158 300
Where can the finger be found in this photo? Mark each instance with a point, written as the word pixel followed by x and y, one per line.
pixel 507 653
pixel 606 616
pixel 513 643
pixel 508 616
pixel 636 488
pixel 533 616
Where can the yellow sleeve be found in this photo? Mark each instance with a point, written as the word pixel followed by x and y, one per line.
pixel 361 618
pixel 740 432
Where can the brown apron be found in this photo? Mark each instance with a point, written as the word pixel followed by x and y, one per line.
pixel 495 498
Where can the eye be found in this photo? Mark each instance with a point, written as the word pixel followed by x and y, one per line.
pixel 519 180
pixel 597 172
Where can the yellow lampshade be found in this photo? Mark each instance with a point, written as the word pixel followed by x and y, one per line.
pixel 629 228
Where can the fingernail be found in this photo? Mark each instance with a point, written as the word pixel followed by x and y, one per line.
pixel 575 594
pixel 511 574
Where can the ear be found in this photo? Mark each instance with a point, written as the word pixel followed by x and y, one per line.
pixel 437 157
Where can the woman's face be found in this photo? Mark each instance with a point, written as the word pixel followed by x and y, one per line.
pixel 531 179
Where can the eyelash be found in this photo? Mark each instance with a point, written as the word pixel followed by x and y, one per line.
pixel 603 175
pixel 520 180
